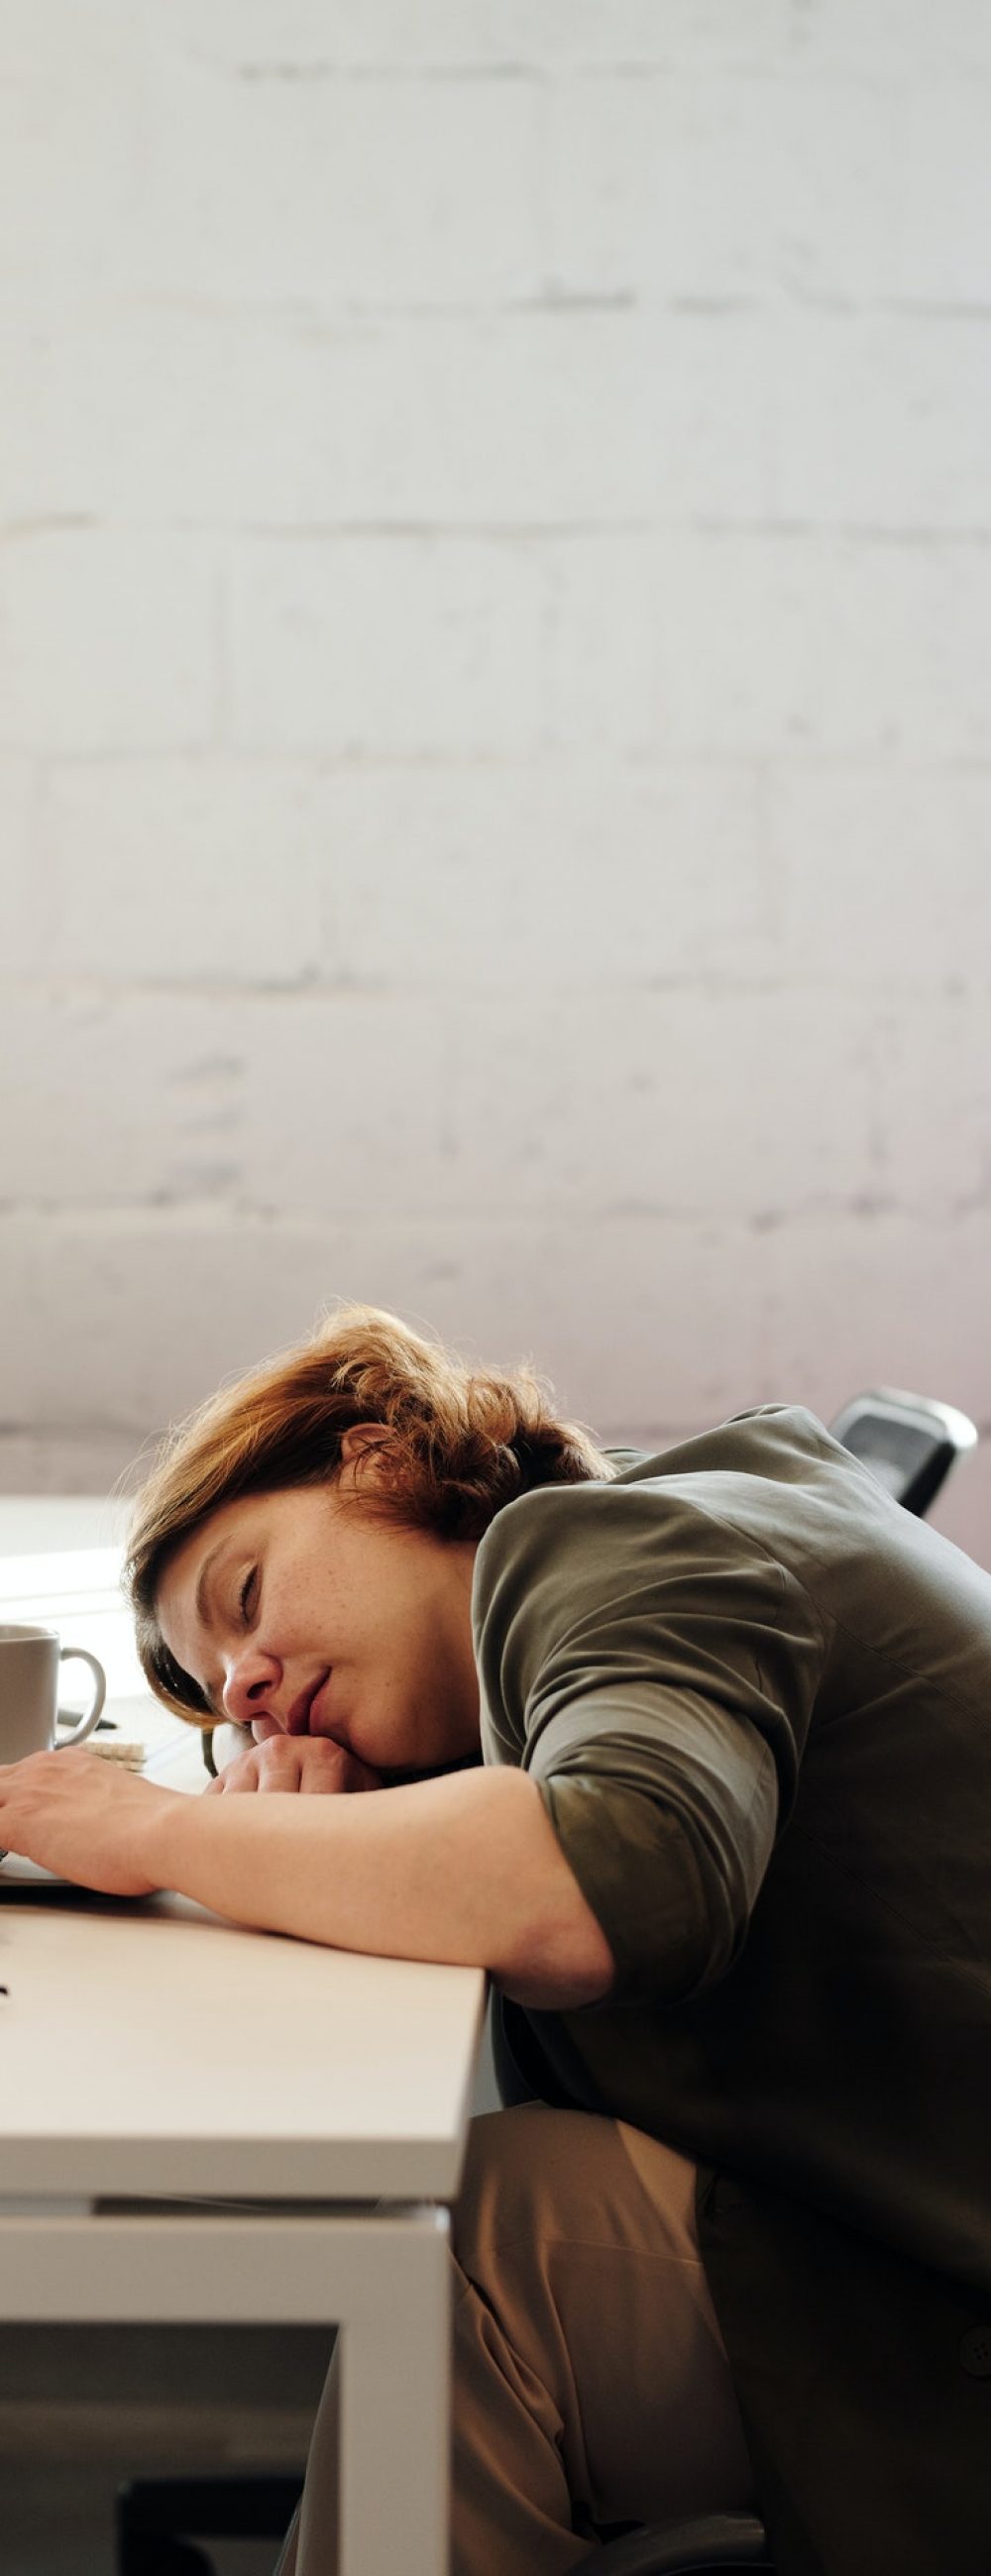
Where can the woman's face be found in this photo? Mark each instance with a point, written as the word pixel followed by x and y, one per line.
pixel 298 1613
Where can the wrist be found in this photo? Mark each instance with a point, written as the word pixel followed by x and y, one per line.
pixel 162 1823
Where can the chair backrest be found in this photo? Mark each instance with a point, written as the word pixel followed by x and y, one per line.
pixel 909 1442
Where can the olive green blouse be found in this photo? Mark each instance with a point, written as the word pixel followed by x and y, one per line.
pixel 756 1696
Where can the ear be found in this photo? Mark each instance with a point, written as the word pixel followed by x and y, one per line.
pixel 360 1436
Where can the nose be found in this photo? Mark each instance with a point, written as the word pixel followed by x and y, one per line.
pixel 251 1687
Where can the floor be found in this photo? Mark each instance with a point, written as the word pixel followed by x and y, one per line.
pixel 83 2410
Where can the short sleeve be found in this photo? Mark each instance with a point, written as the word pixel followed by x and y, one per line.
pixel 654 1667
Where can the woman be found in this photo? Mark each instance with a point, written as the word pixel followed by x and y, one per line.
pixel 693 1754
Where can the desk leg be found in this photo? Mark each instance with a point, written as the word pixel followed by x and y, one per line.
pixel 390 2387
pixel 382 2274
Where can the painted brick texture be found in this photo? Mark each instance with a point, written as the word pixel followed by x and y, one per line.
pixel 495 767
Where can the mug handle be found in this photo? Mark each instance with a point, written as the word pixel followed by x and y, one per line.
pixel 78 1654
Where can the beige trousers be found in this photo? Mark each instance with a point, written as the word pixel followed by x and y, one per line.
pixel 590 2381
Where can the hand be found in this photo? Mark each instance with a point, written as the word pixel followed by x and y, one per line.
pixel 79 1816
pixel 311 1764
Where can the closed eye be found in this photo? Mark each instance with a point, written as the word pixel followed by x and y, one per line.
pixel 248 1596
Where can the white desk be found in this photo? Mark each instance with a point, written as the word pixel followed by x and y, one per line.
pixel 151 2052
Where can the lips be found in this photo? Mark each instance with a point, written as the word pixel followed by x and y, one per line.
pixel 299 1715
pixel 327 1719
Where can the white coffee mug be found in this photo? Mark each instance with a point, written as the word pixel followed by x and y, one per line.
pixel 29 1677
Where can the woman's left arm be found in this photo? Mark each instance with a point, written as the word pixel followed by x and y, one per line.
pixel 466 1869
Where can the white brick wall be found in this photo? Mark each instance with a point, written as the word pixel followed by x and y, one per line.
pixel 495 634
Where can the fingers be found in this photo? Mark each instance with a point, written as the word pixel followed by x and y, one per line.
pixel 273 1765
pixel 239 1775
pixel 303 1763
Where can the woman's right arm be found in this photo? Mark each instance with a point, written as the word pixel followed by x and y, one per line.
pixel 465 1870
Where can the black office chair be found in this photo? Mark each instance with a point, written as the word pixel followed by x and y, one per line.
pixel 727 2541
pixel 910 1443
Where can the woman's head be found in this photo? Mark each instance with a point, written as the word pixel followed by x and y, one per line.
pixel 365 1454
